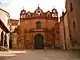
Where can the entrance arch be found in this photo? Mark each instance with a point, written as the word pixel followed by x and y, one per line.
pixel 39 42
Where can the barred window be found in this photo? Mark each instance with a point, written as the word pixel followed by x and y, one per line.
pixel 38 25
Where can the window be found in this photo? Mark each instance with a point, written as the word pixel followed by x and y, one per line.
pixel 71 7
pixel 73 24
pixel 25 31
pixel 38 25
pixel 2 38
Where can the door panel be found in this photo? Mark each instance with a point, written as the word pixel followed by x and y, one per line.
pixel 39 42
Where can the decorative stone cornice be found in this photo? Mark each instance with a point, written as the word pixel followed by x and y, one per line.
pixel 39 14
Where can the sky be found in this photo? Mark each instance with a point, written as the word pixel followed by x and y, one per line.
pixel 15 6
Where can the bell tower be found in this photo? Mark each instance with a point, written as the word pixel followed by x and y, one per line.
pixel 54 13
pixel 23 14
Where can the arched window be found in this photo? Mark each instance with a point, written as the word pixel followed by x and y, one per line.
pixel 38 25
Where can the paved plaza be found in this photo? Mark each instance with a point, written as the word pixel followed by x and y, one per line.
pixel 41 55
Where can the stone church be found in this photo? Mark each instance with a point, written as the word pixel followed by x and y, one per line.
pixel 38 30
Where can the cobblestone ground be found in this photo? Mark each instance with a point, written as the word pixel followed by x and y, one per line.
pixel 45 55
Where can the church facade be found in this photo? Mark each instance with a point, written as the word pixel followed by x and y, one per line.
pixel 38 30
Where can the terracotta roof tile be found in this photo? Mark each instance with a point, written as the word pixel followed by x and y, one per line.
pixel 14 22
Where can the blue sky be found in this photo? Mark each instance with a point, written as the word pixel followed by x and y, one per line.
pixel 15 6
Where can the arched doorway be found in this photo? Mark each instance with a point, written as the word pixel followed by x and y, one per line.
pixel 39 42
